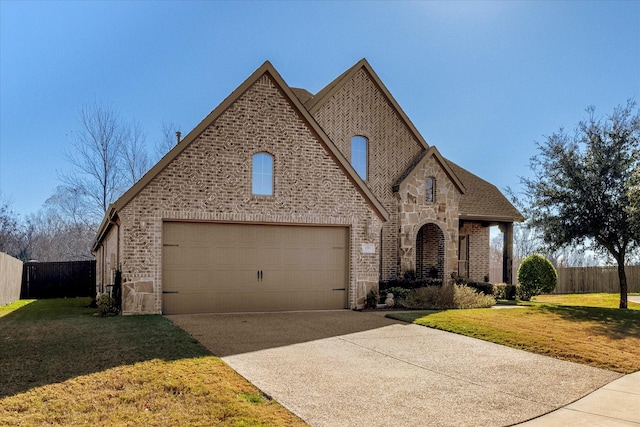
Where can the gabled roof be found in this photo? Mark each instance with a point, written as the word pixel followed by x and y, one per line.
pixel 432 151
pixel 302 94
pixel 315 103
pixel 483 201
pixel 269 70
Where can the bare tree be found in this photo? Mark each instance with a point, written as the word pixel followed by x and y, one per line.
pixel 135 158
pixel 59 231
pixel 108 156
pixel 96 158
pixel 9 229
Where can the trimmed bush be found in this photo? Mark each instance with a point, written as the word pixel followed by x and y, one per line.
pixel 408 284
pixel 504 291
pixel 396 291
pixel 536 275
pixel 484 287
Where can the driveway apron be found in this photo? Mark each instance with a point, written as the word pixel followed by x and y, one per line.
pixel 345 368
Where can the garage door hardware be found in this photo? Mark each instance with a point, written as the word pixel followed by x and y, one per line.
pixel 339 289
pixel 167 244
pixel 259 275
pixel 169 292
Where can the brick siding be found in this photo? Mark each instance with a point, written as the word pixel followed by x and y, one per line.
pixel 479 237
pixel 211 181
pixel 361 108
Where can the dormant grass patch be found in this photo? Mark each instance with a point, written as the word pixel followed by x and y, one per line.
pixel 61 365
pixel 587 328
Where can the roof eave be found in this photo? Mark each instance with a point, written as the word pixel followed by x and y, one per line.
pixel 491 218
pixel 265 68
pixel 105 226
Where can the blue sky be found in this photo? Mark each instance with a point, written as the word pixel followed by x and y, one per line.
pixel 482 81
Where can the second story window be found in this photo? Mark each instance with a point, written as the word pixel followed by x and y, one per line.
pixel 359 155
pixel 262 174
pixel 430 196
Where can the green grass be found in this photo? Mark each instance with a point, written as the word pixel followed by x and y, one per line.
pixel 62 365
pixel 586 328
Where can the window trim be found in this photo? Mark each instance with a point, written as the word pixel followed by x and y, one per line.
pixel 255 174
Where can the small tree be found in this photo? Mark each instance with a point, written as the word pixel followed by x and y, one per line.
pixel 536 276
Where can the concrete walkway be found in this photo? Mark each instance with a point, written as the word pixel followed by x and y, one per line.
pixel 615 404
pixel 358 369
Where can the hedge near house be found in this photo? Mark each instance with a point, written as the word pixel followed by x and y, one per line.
pixel 536 275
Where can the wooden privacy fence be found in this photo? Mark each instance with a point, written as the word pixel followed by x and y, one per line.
pixel 69 279
pixel 580 280
pixel 10 275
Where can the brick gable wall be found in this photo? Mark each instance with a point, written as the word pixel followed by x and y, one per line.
pixel 361 108
pixel 211 181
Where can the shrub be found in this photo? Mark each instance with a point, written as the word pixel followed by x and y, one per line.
pixel 484 287
pixel 444 297
pixel 410 275
pixel 466 297
pixel 107 306
pixel 430 298
pixel 536 275
pixel 396 291
pixel 407 284
pixel 504 291
pixel 371 301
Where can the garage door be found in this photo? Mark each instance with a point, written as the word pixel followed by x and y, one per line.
pixel 217 268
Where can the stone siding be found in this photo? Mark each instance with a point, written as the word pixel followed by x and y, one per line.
pixel 211 181
pixel 414 212
pixel 359 107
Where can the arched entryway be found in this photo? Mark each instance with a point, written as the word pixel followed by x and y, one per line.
pixel 430 252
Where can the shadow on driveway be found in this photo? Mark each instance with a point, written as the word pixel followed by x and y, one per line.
pixel 344 368
pixel 229 334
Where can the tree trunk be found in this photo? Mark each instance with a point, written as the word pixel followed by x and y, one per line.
pixel 622 277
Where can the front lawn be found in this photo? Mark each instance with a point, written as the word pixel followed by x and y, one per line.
pixel 61 365
pixel 586 328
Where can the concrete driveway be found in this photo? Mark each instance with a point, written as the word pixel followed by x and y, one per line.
pixel 344 368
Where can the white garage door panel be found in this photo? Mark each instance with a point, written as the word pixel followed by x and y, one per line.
pixel 214 267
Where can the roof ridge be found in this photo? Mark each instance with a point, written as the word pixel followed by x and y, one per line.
pixel 323 138
pixel 432 151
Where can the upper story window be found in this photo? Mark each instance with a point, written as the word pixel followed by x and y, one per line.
pixel 430 196
pixel 359 155
pixel 262 174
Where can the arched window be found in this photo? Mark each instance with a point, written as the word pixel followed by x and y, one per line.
pixel 262 174
pixel 430 196
pixel 359 155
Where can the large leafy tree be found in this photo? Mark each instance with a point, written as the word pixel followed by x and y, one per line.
pixel 581 189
